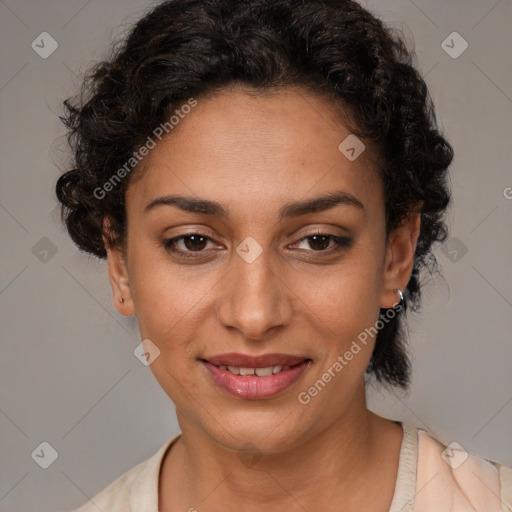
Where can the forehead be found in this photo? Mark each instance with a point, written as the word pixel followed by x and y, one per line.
pixel 257 150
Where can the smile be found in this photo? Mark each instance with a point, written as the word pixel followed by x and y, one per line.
pixel 260 372
pixel 255 378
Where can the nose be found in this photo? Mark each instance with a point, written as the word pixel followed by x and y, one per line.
pixel 255 298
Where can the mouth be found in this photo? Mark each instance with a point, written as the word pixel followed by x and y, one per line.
pixel 255 378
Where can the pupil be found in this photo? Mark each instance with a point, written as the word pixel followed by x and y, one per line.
pixel 194 238
pixel 315 237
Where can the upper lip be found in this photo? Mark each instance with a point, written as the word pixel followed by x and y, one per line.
pixel 263 361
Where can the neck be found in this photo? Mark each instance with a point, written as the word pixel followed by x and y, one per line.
pixel 337 463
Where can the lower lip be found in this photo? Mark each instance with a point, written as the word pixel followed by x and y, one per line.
pixel 254 387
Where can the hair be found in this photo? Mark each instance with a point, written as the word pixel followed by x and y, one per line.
pixel 183 49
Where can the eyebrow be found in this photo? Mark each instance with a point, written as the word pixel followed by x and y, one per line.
pixel 294 209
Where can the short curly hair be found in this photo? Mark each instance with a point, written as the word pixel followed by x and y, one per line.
pixel 184 49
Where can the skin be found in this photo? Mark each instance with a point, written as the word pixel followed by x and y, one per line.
pixel 253 154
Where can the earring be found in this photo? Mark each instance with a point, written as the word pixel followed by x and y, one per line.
pixel 400 296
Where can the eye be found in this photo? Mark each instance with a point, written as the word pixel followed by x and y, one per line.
pixel 320 242
pixel 191 242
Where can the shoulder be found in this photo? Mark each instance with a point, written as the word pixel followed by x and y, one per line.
pixel 137 489
pixel 451 479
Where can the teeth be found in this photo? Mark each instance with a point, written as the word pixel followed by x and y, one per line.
pixel 260 372
pixel 264 372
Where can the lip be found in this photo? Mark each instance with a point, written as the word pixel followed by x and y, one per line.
pixel 253 387
pixel 246 361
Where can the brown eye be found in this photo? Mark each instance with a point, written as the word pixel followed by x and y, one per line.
pixel 320 242
pixel 194 242
pixel 190 243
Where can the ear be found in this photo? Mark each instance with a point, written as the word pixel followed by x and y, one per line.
pixel 118 275
pixel 399 260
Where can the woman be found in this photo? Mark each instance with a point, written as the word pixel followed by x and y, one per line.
pixel 267 179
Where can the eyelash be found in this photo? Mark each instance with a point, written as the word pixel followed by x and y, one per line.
pixel 341 243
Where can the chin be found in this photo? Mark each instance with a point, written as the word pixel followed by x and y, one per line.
pixel 270 432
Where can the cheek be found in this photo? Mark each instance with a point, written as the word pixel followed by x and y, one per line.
pixel 344 299
pixel 345 314
pixel 165 297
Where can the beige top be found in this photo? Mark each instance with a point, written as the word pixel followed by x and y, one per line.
pixel 431 478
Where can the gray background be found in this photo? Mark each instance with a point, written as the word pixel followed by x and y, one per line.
pixel 68 373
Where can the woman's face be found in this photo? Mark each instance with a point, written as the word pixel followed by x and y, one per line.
pixel 256 281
